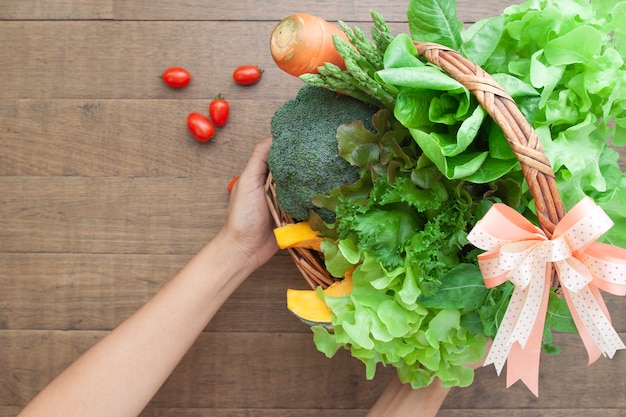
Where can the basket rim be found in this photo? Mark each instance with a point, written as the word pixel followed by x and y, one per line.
pixel 519 133
pixel 310 264
pixel 503 110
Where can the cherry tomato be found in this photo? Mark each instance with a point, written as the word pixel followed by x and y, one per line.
pixel 200 126
pixel 176 77
pixel 232 183
pixel 247 74
pixel 218 110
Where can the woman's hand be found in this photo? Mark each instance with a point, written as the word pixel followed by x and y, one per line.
pixel 249 226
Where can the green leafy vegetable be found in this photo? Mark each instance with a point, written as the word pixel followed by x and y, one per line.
pixel 417 290
pixel 436 163
pixel 462 288
pixel 563 62
pixel 435 21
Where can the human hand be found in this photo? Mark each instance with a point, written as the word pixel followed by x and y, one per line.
pixel 249 225
pixel 399 399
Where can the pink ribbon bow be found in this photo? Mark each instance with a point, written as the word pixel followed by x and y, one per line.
pixel 520 252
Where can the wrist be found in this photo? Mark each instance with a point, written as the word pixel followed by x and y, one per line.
pixel 240 259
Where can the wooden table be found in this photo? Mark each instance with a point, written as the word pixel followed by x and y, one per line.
pixel 104 196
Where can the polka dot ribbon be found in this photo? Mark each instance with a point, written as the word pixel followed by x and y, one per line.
pixel 520 252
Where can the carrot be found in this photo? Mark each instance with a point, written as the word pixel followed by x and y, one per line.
pixel 301 42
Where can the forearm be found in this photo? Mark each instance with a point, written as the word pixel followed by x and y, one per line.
pixel 121 373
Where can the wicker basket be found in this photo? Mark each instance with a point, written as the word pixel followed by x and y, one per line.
pixel 309 262
pixel 518 132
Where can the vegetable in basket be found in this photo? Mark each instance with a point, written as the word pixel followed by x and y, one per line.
pixel 311 308
pixel 436 163
pixel 298 235
pixel 304 159
pixel 302 42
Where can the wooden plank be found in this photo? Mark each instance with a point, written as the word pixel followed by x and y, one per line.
pixel 110 215
pixel 30 359
pixel 152 411
pixel 222 370
pixel 126 138
pixel 97 292
pixel 538 412
pixel 112 59
pixel 393 10
pixel 248 412
pixel 160 412
pixel 565 382
pixel 269 370
pixel 56 10
pixel 267 412
pixel 104 197
pixel 586 387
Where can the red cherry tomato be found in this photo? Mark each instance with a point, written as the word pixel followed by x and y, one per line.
pixel 176 77
pixel 247 74
pixel 200 126
pixel 218 110
pixel 232 183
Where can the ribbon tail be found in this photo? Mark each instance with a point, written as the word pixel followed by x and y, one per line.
pixel 593 323
pixel 523 362
pixel 501 346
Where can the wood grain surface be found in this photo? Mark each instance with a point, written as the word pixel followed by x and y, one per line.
pixel 104 196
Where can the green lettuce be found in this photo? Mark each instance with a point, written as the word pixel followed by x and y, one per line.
pixel 563 63
pixel 436 163
pixel 402 231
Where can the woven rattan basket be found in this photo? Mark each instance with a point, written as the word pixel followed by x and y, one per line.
pixel 518 132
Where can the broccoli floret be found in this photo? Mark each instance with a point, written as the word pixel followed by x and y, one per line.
pixel 304 158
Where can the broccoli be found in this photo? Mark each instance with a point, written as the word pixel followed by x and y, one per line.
pixel 304 158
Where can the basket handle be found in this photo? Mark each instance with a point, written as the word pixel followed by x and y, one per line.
pixel 518 132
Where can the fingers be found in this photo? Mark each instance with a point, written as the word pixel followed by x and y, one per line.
pixel 264 146
pixel 257 164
